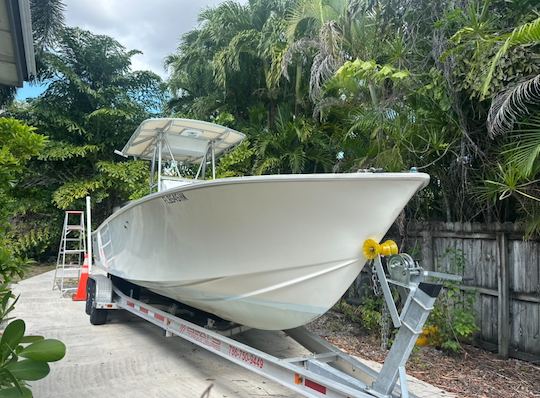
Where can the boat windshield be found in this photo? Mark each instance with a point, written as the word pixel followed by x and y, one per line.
pixel 173 145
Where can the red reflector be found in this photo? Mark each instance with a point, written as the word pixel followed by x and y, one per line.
pixel 130 304
pixel 144 310
pixel 159 317
pixel 315 386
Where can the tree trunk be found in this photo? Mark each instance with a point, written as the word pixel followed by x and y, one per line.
pixel 297 88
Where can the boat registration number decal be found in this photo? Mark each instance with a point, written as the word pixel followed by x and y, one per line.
pixel 175 197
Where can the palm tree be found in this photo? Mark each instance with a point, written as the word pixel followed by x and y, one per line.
pixel 515 110
pixel 295 145
pixel 517 102
pixel 236 53
pixel 322 30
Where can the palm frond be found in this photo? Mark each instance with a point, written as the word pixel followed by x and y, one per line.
pixel 305 10
pixel 301 46
pixel 328 60
pixel 525 149
pixel 228 59
pixel 528 33
pixel 511 104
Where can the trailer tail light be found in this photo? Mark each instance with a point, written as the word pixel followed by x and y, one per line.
pixel 315 386
pixel 297 379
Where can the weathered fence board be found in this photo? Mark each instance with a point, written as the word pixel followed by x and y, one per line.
pixel 501 267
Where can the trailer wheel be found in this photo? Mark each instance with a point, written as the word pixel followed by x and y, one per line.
pixel 90 295
pixel 98 316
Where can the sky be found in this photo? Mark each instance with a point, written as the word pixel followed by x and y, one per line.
pixel 152 26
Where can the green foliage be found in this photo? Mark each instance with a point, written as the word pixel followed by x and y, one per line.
pixel 126 179
pixel 367 314
pixel 92 104
pixel 71 191
pixel 452 319
pixel 236 163
pixel 18 144
pixel 129 179
pixel 367 70
pixel 24 358
pixel 524 150
pixel 379 85
pixel 34 243
pixel 294 146
pixel 61 151
pixel 47 21
pixel 370 313
pixel 528 33
pixel 7 300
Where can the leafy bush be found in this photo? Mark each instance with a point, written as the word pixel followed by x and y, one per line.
pixel 22 358
pixel 452 320
pixel 367 314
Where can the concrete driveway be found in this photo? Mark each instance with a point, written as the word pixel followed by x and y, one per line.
pixel 129 357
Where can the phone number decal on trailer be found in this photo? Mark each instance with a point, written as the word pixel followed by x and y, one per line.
pixel 248 358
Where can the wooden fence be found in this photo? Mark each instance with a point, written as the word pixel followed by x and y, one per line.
pixel 501 267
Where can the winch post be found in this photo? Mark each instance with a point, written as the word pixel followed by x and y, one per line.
pixel 412 321
pixel 387 293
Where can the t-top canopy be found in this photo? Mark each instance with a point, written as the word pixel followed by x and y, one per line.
pixel 188 140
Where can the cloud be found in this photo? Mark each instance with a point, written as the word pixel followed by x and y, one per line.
pixel 152 26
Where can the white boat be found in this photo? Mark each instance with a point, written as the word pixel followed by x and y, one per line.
pixel 271 252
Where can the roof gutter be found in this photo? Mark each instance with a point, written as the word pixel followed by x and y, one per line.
pixel 23 42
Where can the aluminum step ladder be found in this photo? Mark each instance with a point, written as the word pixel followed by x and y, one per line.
pixel 70 253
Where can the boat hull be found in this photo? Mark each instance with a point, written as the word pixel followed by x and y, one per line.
pixel 270 252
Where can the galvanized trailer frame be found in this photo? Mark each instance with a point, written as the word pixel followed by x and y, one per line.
pixel 328 371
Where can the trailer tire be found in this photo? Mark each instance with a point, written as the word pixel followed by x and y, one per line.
pixel 98 316
pixel 90 295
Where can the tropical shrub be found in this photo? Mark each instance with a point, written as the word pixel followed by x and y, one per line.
pixel 452 319
pixel 22 358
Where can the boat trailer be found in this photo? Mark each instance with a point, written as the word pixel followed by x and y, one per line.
pixel 327 371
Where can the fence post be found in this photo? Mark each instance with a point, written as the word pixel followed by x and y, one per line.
pixel 427 250
pixel 503 304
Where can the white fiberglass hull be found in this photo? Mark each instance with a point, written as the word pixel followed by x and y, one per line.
pixel 270 252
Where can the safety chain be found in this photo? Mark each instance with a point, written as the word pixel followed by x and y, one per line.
pixel 385 325
pixel 375 280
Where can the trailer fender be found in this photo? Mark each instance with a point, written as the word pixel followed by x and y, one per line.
pixel 104 289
